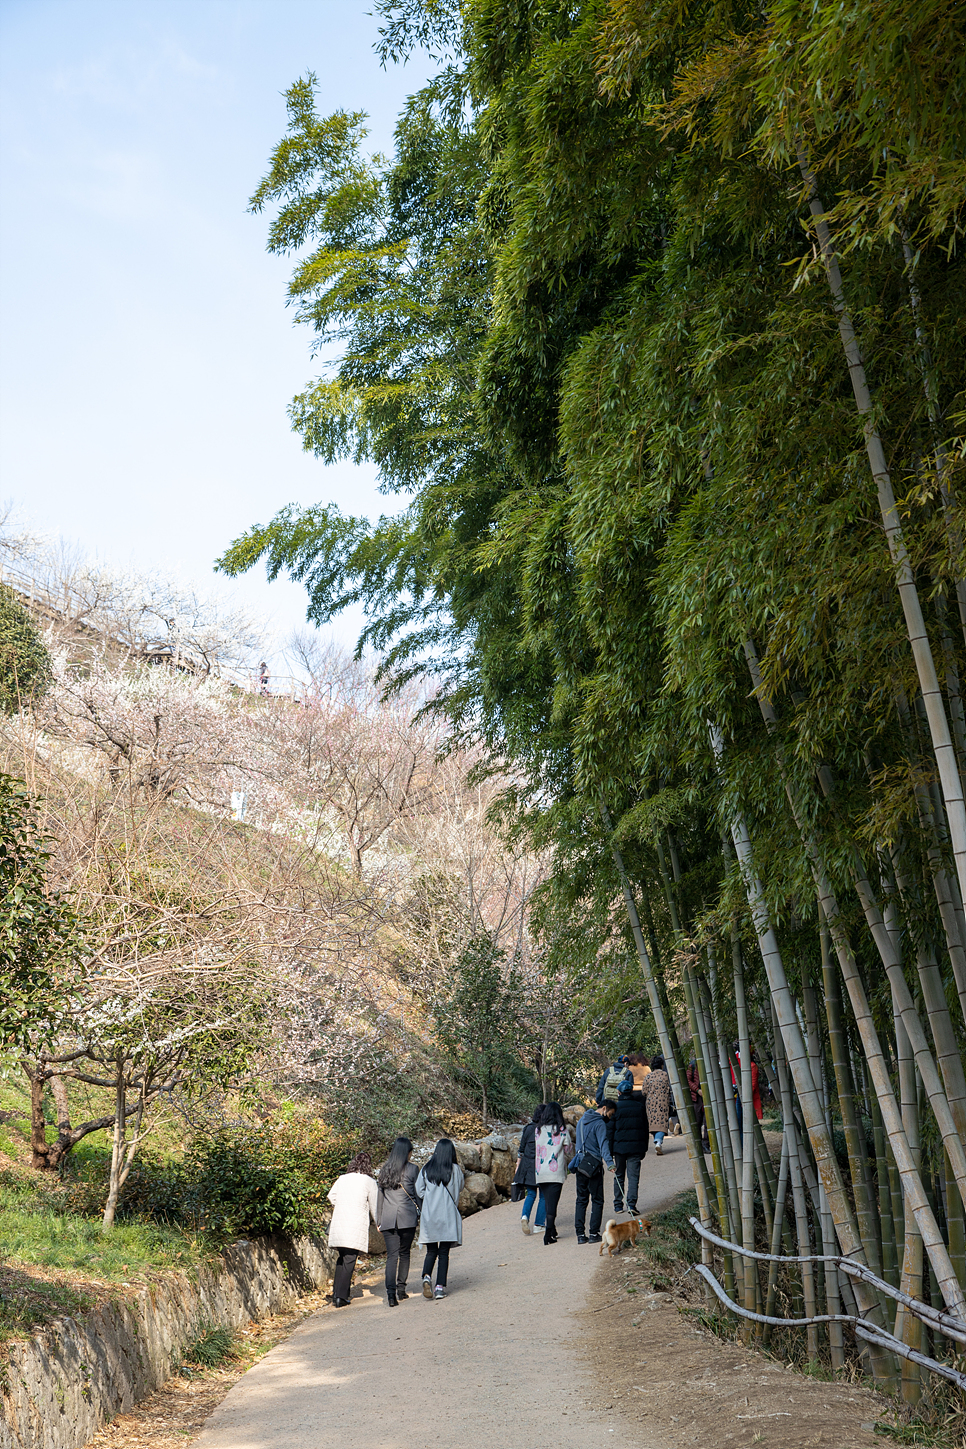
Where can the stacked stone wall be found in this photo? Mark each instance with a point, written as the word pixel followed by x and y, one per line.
pixel 57 1389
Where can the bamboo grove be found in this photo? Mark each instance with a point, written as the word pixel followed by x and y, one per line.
pixel 654 325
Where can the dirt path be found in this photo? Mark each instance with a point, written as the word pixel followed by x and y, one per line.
pixel 532 1341
pixel 693 1390
pixel 493 1363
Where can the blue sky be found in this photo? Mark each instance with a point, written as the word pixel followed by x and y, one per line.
pixel 147 356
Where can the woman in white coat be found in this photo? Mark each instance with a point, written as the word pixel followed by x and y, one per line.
pixel 354 1197
pixel 440 1225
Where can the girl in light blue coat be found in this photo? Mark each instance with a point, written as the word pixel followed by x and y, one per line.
pixel 440 1225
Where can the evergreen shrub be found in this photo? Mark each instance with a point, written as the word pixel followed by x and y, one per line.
pixel 240 1180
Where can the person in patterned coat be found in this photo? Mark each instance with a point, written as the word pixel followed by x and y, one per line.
pixel 657 1095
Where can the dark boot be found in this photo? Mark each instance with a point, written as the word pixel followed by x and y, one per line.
pixel 391 1298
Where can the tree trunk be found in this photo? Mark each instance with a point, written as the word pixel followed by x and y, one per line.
pixel 854 1143
pixel 117 1146
pixel 908 1327
pixel 38 1076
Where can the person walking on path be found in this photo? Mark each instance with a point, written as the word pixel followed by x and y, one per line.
pixel 593 1152
pixel 697 1102
pixel 552 1152
pixel 657 1095
pixel 438 1186
pixel 397 1216
pixel 525 1175
pixel 755 1089
pixel 355 1199
pixel 630 1137
pixel 610 1083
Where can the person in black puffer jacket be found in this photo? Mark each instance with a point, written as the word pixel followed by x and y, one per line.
pixel 630 1146
pixel 525 1175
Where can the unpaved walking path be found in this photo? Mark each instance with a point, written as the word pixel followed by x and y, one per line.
pixel 493 1363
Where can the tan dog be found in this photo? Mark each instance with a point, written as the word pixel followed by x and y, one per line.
pixel 616 1235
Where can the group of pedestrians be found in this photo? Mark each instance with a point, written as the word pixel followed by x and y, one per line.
pixel 633 1101
pixel 401 1200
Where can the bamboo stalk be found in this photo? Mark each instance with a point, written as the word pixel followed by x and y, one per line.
pixel 912 1186
pixel 722 1117
pixel 854 1144
pixel 949 1129
pixel 890 1270
pixel 942 745
pixel 842 1216
pixel 776 1234
pixel 931 390
pixel 908 1327
pixel 956 1226
pixel 748 1136
pixel 940 1021
pixel 678 1081
pixel 712 1108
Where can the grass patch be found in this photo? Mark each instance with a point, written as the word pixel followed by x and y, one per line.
pixel 213 1347
pixel 36 1230
pixel 54 1262
pixel 930 1436
pixel 28 1302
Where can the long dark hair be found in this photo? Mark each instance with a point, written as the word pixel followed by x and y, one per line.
pixel 439 1168
pixel 537 1113
pixel 390 1174
pixel 552 1117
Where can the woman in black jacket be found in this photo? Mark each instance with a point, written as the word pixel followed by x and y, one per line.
pixel 525 1175
pixel 397 1216
pixel 630 1145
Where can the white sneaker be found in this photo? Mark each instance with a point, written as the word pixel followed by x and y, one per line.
pixel 439 1291
pixel 659 1149
pixel 427 1286
pixel 525 1226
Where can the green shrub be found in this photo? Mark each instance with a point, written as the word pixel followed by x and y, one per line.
pixel 237 1181
pixel 269 1179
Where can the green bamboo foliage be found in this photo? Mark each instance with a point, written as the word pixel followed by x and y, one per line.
pixel 655 320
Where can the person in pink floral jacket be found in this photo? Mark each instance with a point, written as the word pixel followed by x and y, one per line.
pixel 553 1150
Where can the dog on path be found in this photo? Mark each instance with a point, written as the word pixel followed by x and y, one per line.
pixel 618 1235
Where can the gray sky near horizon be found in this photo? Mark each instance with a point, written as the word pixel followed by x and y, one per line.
pixel 147 357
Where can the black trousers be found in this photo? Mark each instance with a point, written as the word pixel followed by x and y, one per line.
pixel 589 1190
pixel 437 1255
pixel 398 1243
pixel 625 1195
pixel 550 1194
pixel 344 1268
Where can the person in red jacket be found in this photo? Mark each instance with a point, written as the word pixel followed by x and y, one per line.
pixel 755 1093
pixel 697 1101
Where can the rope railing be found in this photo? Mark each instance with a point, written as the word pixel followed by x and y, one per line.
pixel 944 1323
pixel 947 1323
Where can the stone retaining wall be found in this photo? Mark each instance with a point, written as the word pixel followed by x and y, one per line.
pixel 59 1388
